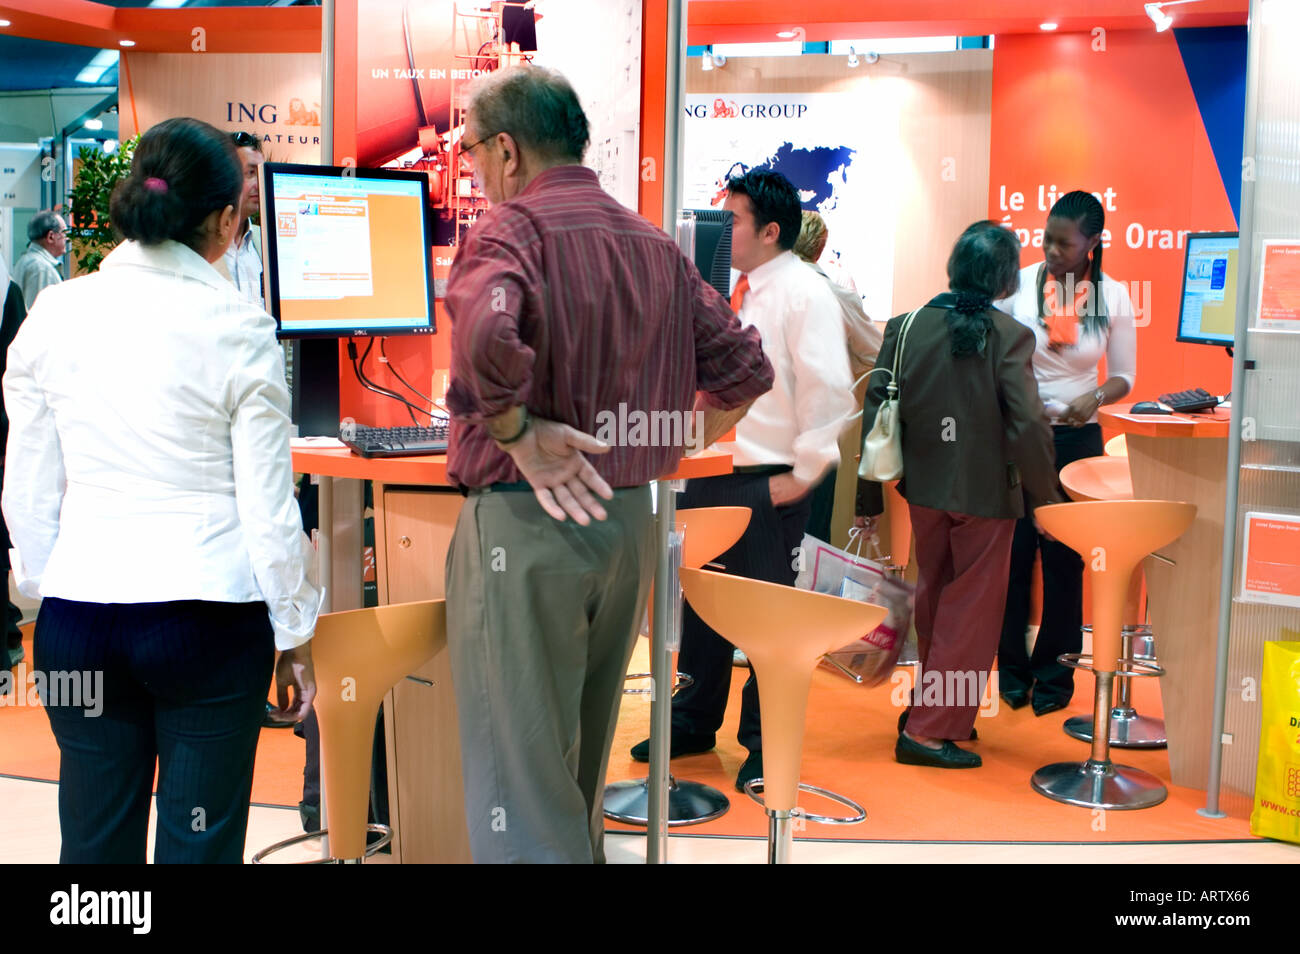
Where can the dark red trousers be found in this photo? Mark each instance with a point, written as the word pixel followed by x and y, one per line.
pixel 962 563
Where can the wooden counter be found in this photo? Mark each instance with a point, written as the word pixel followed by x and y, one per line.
pixel 1183 457
pixel 415 516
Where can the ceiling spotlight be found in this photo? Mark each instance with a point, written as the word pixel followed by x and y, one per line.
pixel 94 124
pixel 853 58
pixel 1049 26
pixel 1162 20
pixel 5 23
pixel 126 42
pixel 787 34
pixel 110 146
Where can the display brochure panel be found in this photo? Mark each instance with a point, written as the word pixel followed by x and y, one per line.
pixel 1279 286
pixel 416 60
pixel 1208 310
pixel 1271 559
pixel 346 251
pixel 847 171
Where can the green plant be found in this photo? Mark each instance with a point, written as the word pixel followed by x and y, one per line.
pixel 89 229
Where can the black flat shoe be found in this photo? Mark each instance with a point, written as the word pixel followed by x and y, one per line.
pixel 1016 698
pixel 902 721
pixel 910 752
pixel 752 769
pixel 683 743
pixel 1045 706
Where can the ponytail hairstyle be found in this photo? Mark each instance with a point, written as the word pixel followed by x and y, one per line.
pixel 1086 211
pixel 984 265
pixel 183 170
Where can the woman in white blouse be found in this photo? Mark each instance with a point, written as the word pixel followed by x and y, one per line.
pixel 1080 318
pixel 148 496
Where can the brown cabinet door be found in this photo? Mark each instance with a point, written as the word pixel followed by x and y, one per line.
pixel 426 800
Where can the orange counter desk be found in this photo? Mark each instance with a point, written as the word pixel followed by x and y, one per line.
pixel 415 515
pixel 1182 457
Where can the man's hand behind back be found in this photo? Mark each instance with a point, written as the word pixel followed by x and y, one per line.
pixel 551 456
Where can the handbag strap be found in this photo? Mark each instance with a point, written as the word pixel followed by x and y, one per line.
pixel 898 354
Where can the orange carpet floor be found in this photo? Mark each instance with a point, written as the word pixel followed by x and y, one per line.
pixel 848 748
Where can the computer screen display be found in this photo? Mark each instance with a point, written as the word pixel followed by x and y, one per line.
pixel 1208 310
pixel 713 247
pixel 345 251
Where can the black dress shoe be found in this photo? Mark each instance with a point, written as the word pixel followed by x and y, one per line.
pixel 910 752
pixel 752 769
pixel 683 743
pixel 1044 706
pixel 902 721
pixel 1016 698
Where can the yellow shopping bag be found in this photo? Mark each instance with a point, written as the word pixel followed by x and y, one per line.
pixel 1277 780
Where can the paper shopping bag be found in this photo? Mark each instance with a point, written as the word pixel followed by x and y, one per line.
pixel 1277 778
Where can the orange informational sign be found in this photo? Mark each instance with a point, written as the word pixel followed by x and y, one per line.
pixel 1279 286
pixel 1271 548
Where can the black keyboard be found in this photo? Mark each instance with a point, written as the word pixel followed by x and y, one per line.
pixel 1185 402
pixel 396 441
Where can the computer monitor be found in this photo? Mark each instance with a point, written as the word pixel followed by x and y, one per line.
pixel 346 251
pixel 1207 312
pixel 713 248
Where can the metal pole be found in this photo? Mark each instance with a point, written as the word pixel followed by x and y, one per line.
pixel 674 105
pixel 661 679
pixel 1245 254
pixel 661 661
pixel 327 83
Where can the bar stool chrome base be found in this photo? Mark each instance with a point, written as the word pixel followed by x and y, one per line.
pixel 382 830
pixel 1094 784
pixel 1128 729
pixel 689 803
pixel 780 833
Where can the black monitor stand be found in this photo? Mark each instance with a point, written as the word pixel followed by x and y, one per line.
pixel 315 397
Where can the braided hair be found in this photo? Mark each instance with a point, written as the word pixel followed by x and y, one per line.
pixel 984 265
pixel 1086 211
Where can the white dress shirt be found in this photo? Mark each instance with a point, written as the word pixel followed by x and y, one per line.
pixel 1065 374
pixel 243 262
pixel 148 456
pixel 799 421
pixel 35 271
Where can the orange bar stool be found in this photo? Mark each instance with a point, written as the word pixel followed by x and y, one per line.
pixel 784 632
pixel 1109 478
pixel 1111 536
pixel 706 533
pixel 359 655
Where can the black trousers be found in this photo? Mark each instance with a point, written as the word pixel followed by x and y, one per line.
pixel 181 683
pixel 13 615
pixel 766 552
pixel 1060 630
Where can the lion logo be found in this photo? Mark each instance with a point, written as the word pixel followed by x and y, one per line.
pixel 300 115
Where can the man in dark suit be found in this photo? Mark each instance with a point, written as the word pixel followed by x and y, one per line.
pixel 975 444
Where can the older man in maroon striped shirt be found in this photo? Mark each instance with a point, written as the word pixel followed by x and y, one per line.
pixel 572 319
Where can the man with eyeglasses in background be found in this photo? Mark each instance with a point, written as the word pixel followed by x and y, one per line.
pixel 242 263
pixel 38 267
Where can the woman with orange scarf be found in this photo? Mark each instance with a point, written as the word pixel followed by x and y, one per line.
pixel 1079 317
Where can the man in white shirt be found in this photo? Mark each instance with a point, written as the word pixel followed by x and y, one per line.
pixel 38 267
pixel 242 263
pixel 786 443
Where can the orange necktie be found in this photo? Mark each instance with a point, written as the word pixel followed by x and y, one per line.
pixel 738 293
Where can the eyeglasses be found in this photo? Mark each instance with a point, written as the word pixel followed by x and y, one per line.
pixel 467 152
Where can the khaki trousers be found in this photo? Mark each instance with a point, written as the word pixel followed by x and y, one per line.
pixel 541 620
